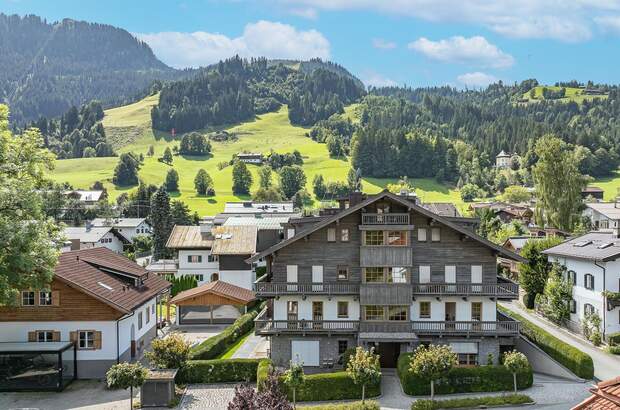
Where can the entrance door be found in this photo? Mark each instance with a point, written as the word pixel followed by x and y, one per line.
pixel 291 314
pixel 317 315
pixel 450 316
pixel 388 354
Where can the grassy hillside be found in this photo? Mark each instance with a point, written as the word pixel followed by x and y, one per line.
pixel 572 94
pixel 611 186
pixel 129 129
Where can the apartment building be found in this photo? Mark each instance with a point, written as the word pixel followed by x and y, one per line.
pixel 383 272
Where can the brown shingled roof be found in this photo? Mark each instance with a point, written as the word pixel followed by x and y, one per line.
pixel 89 271
pixel 218 287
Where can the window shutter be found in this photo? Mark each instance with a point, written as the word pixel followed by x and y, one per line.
pixel 73 336
pixel 55 298
pixel 56 336
pixel 32 336
pixel 97 344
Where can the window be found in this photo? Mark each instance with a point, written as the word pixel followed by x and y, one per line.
pixel 397 313
pixel 45 298
pixel 212 258
pixel 397 274
pixel 45 336
pixel 571 276
pixel 436 234
pixel 476 311
pixel 343 345
pixel 139 320
pixel 86 339
pixel 373 238
pixel 374 312
pixel 343 273
pixel 374 275
pixel 425 310
pixel 291 308
pixel 194 258
pixel 468 359
pixel 290 232
pixel 588 309
pixel 27 298
pixel 397 238
pixel 291 273
pixel 343 309
pixel 137 231
pixel 148 315
pixel 331 234
pixel 425 274
pixel 588 281
pixel 450 274
pixel 476 274
pixel 422 234
pixel 344 235
pixel 573 306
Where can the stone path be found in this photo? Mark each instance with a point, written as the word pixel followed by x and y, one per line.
pixel 253 347
pixel 606 366
pixel 207 397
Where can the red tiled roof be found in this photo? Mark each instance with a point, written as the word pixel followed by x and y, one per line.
pixel 605 396
pixel 218 287
pixel 89 270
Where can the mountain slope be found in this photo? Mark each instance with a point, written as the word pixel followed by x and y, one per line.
pixel 47 68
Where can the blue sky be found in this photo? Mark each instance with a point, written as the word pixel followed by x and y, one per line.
pixel 464 43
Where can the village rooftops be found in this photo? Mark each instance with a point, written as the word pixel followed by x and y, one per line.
pixel 234 240
pixel 250 207
pixel 189 237
pixel 88 234
pixel 109 277
pixel 597 246
pixel 610 210
pixel 219 288
pixel 85 196
pixel 118 222
pixel 442 208
pixel 267 223
pixel 605 396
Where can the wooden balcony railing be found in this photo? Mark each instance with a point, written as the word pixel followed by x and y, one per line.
pixel 501 328
pixel 501 290
pixel 385 219
pixel 266 289
pixel 386 327
pixel 264 325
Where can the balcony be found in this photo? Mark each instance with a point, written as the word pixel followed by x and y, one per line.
pixel 504 290
pixel 385 294
pixel 386 256
pixel 264 326
pixel 385 219
pixel 272 289
pixel 466 328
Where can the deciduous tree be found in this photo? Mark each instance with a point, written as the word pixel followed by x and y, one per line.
pixel 126 376
pixel 242 178
pixel 292 179
pixel 363 368
pixel 432 363
pixel 515 362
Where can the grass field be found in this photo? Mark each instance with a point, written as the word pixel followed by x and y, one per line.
pixel 129 129
pixel 610 185
pixel 572 94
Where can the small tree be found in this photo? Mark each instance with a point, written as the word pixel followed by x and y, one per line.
pixel 554 302
pixel 264 175
pixel 469 192
pixel 172 180
pixel 126 375
pixel 294 378
pixel 515 362
pixel 167 157
pixel 364 368
pixel 169 353
pixel 151 151
pixel 292 179
pixel 202 182
pixel 432 363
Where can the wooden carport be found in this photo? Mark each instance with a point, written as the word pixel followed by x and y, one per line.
pixel 211 295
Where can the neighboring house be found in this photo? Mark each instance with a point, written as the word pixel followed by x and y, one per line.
pixel 506 212
pixel 387 273
pixel 593 191
pixel 128 227
pixel 515 244
pixel 270 228
pixel 162 266
pixel 593 266
pixel 86 237
pixel 442 208
pixel 213 253
pixel 602 215
pixel 89 198
pixel 605 396
pixel 251 158
pixel 100 300
pixel 537 231
pixel 503 160
pixel 248 208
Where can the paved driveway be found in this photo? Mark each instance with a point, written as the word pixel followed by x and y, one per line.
pixel 207 397
pixel 196 334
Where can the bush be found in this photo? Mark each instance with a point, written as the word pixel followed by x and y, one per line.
pixel 346 356
pixel 570 357
pixel 218 344
pixel 331 386
pixel 462 379
pixel 614 349
pixel 262 373
pixel 471 402
pixel 357 405
pixel 528 300
pixel 613 339
pixel 219 371
pixel 171 352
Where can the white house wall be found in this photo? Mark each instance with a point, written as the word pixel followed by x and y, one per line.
pixel 463 308
pixel 330 307
pixel 241 278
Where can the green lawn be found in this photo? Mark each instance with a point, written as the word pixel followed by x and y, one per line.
pixel 610 185
pixel 129 128
pixel 572 94
pixel 228 354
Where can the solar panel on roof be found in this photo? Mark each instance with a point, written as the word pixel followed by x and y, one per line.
pixel 582 244
pixel 605 245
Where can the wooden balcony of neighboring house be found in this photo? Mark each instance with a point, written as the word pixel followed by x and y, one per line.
pixel 385 219
pixel 265 325
pixel 385 293
pixel 386 255
pixel 275 289
pixel 503 289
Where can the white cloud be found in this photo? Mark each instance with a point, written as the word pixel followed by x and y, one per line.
pixel 383 44
pixel 260 39
pixel 476 79
pixel 476 51
pixel 374 79
pixel 564 20
pixel 305 12
pixel 609 23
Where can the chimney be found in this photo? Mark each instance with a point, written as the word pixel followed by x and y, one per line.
pixel 355 198
pixel 75 244
pixel 89 226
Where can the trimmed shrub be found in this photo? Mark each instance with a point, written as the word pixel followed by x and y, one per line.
pixel 262 373
pixel 462 379
pixel 570 357
pixel 219 371
pixel 471 402
pixel 218 344
pixel 613 339
pixel 330 386
pixel 357 405
pixel 613 349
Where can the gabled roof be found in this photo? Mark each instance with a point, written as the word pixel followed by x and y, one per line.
pixel 610 210
pixel 118 222
pixel 596 246
pixel 234 240
pixel 85 195
pixel 605 396
pixel 189 237
pixel 99 272
pixel 220 288
pixel 442 208
pixel 518 242
pixel 266 223
pixel 403 201
pixel 86 235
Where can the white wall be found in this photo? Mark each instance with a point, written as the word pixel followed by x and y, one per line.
pixel 205 268
pixel 116 245
pixel 463 308
pixel 330 307
pixel 130 232
pixel 124 326
pixel 241 278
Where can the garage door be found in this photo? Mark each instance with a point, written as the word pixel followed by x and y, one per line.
pixel 306 352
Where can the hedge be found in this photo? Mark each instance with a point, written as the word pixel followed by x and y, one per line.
pixel 220 371
pixel 613 339
pixel 330 386
pixel 570 357
pixel 262 373
pixel 471 402
pixel 462 379
pixel 218 344
pixel 613 349
pixel 357 405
